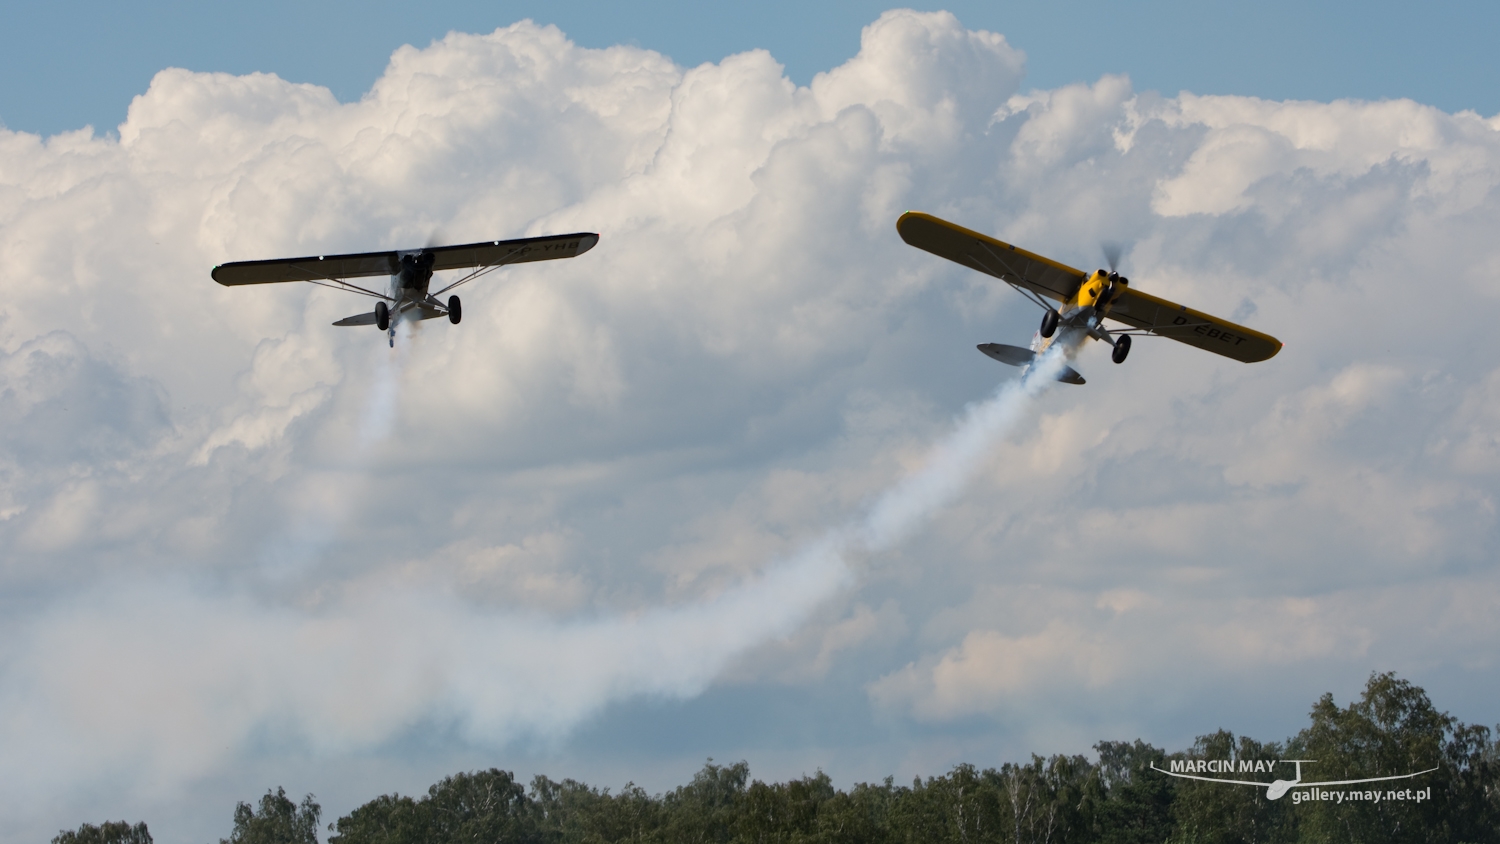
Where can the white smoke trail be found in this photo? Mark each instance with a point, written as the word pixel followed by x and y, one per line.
pixel 550 676
pixel 196 678
pixel 379 416
pixel 322 502
pixel 678 651
pixel 906 506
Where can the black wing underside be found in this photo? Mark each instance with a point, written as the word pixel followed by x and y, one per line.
pixel 1156 315
pixel 1011 264
pixel 364 264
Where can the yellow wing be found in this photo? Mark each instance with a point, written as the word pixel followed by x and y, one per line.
pixel 1195 328
pixel 1008 263
pixel 1048 278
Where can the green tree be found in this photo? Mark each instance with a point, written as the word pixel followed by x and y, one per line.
pixel 964 805
pixel 1392 729
pixel 488 806
pixel 481 806
pixel 1212 813
pixel 783 812
pixel 861 816
pixel 574 813
pixel 1052 800
pixel 706 809
pixel 277 821
pixel 388 819
pixel 110 832
pixel 1472 785
pixel 1137 804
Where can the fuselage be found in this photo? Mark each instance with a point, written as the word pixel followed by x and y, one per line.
pixel 409 284
pixel 1081 315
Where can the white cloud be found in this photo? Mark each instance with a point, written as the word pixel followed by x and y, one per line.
pixel 309 546
pixel 990 671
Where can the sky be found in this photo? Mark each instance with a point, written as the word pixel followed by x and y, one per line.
pixel 735 483
pixel 80 62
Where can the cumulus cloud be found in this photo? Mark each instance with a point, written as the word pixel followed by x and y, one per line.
pixel 618 477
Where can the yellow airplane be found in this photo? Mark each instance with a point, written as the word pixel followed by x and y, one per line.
pixel 1085 301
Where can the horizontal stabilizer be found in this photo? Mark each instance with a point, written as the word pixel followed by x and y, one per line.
pixel 1069 375
pixel 1010 355
pixel 408 313
pixel 1017 356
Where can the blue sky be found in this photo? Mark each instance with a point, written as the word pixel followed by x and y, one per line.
pixel 632 511
pixel 74 63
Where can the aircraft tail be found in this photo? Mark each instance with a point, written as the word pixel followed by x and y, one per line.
pixel 419 312
pixel 1017 356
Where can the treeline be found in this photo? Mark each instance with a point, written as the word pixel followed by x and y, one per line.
pixel 1393 729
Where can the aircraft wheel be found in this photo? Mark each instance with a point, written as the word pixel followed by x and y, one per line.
pixel 455 310
pixel 382 316
pixel 1049 323
pixel 1122 348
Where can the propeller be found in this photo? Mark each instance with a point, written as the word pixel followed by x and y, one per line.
pixel 1112 251
pixel 434 239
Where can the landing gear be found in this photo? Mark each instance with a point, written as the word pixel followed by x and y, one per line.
pixel 382 316
pixel 455 310
pixel 1122 348
pixel 1049 323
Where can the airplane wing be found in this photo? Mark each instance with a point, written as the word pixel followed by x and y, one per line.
pixel 1010 264
pixel 496 253
pixel 469 255
pixel 1195 328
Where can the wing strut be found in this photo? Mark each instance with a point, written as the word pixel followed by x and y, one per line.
pixel 479 272
pixel 339 284
pixel 1024 291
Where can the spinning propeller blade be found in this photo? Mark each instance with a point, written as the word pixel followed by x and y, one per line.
pixel 1112 252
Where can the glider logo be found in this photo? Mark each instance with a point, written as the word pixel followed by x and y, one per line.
pixel 1191 769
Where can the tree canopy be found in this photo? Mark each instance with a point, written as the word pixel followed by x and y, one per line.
pixel 1393 729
